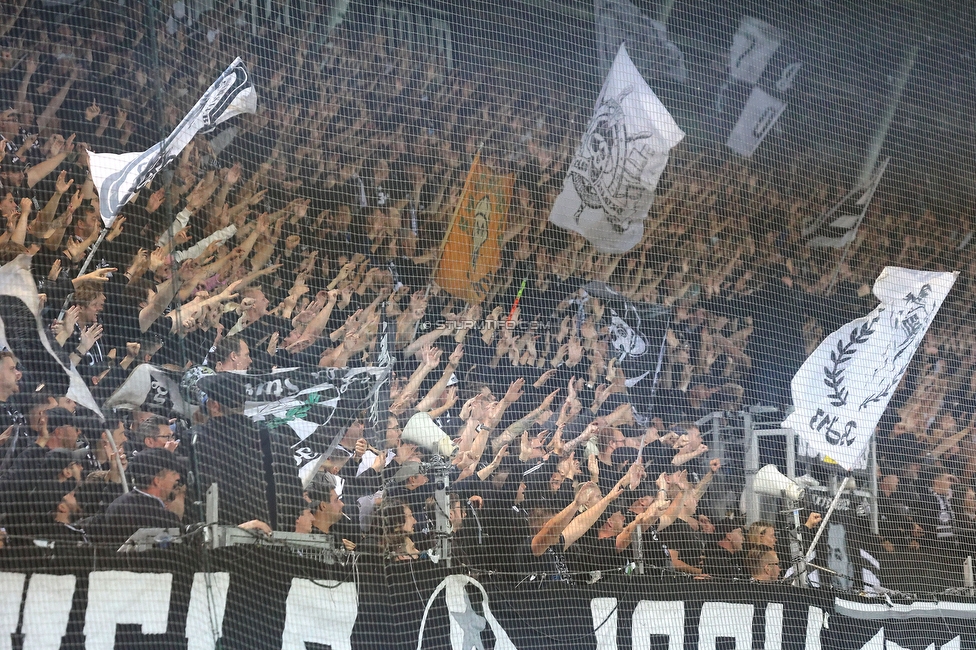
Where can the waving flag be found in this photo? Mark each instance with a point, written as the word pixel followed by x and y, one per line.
pixel 843 388
pixel 119 176
pixel 23 333
pixel 610 185
pixel 317 405
pixel 473 246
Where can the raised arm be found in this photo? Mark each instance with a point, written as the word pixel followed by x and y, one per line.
pixel 584 521
pixel 437 390
pixel 553 528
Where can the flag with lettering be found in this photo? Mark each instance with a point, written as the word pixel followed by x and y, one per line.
pixel 843 388
pixel 610 184
pixel 473 245
pixel 118 177
pixel 316 404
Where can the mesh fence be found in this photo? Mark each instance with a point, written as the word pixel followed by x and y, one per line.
pixel 511 324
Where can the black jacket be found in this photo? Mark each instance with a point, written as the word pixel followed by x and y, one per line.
pixel 130 512
pixel 254 470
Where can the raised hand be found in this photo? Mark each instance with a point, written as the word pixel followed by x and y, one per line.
pixel 75 202
pixel 63 183
pixel 232 174
pixel 71 318
pixel 430 356
pixel 55 271
pixel 548 400
pixel 514 391
pixel 546 376
pixel 456 356
pixel 89 336
pixel 155 200
pixel 116 229
pixel 98 275
pixel 92 111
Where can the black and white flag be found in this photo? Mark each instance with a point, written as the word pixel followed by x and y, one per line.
pixel 843 388
pixel 317 404
pixel 23 333
pixel 382 357
pixel 610 185
pixel 150 387
pixel 755 122
pixel 830 231
pixel 753 45
pixel 118 177
pixel 618 22
pixel 636 336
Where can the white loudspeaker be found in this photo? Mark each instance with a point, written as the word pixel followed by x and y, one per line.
pixel 422 431
pixel 771 482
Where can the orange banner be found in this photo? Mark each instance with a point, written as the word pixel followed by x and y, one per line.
pixel 473 246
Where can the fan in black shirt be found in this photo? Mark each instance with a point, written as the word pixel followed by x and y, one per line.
pixel 155 474
pixel 724 557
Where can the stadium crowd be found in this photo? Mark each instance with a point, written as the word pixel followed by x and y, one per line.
pixel 287 240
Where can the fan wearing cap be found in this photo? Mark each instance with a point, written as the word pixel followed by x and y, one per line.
pixel 57 508
pixel 155 475
pixel 252 466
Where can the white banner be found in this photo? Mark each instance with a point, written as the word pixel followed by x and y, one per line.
pixel 620 22
pixel 610 184
pixel 843 388
pixel 118 177
pixel 16 282
pixel 756 120
pixel 753 45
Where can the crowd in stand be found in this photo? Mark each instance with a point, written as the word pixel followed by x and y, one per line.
pixel 286 241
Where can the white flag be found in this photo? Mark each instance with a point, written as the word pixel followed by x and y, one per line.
pixel 843 388
pixel 118 177
pixel 610 184
pixel 619 21
pixel 23 333
pixel 756 120
pixel 753 45
pixel 151 386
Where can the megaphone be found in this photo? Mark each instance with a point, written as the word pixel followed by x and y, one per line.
pixel 771 482
pixel 423 432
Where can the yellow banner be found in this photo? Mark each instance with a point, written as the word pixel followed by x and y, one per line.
pixel 473 246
